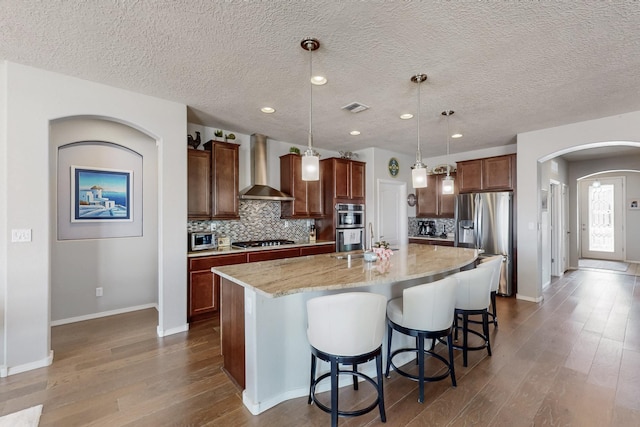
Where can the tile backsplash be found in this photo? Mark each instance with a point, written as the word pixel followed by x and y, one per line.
pixel 448 223
pixel 259 220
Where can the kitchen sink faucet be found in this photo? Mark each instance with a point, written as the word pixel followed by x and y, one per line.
pixel 370 237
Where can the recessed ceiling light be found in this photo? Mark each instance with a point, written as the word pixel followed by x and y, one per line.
pixel 456 135
pixel 354 132
pixel 318 80
pixel 268 110
pixel 406 116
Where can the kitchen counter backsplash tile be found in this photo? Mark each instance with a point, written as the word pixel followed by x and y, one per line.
pixel 449 224
pixel 259 220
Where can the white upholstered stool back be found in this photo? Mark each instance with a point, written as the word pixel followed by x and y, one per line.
pixel 474 288
pixel 427 307
pixel 493 263
pixel 346 324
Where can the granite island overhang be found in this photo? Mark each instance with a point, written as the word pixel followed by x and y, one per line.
pixel 263 310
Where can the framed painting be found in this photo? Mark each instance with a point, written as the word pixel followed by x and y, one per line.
pixel 101 195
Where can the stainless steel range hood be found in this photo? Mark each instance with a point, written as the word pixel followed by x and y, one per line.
pixel 259 190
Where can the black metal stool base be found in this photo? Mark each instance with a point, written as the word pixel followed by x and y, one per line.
pixel 465 347
pixel 334 374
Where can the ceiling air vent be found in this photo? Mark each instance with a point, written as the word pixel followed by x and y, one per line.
pixel 355 107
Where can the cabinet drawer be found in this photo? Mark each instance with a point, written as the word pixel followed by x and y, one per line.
pixel 273 254
pixel 205 263
pixel 315 250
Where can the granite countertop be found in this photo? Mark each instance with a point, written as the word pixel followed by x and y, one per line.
pixel 289 276
pixel 232 250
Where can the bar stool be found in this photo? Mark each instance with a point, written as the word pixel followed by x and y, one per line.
pixel 472 298
pixel 424 312
pixel 494 263
pixel 346 328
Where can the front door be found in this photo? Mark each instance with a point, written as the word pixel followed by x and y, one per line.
pixel 601 218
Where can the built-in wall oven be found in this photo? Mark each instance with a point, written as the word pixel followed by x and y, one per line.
pixel 349 227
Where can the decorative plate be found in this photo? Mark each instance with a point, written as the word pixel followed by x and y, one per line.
pixel 411 199
pixel 394 167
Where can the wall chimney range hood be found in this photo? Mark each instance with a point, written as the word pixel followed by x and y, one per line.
pixel 259 190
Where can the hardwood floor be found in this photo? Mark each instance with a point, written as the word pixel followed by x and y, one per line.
pixel 572 360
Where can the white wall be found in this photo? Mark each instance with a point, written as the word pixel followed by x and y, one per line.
pixel 125 267
pixel 32 98
pixel 539 146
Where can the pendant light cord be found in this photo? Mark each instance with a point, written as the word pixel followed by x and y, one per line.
pixel 310 96
pixel 419 152
pixel 448 139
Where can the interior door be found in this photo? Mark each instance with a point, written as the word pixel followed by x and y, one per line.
pixel 392 213
pixel 601 218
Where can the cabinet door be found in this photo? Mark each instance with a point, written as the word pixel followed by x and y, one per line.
pixel 427 199
pixel 224 171
pixel 315 202
pixel 447 202
pixel 199 184
pixel 341 178
pixel 469 176
pixel 273 254
pixel 316 250
pixel 291 182
pixel 203 293
pixel 357 180
pixel 497 173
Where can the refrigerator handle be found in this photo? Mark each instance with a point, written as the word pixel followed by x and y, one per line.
pixel 478 221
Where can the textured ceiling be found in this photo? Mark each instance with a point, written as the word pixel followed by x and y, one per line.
pixel 504 67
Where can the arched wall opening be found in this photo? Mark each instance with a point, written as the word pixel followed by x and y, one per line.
pixel 115 258
pixel 535 150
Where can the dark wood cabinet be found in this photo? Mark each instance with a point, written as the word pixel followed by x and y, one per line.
pixel 213 181
pixel 308 194
pixel 344 179
pixel 224 175
pixel 199 184
pixel 431 203
pixel 489 174
pixel 204 286
pixel 434 242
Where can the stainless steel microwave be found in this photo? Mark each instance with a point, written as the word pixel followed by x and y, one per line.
pixel 202 240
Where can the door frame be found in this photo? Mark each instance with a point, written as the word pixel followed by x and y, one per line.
pixel 401 209
pixel 618 254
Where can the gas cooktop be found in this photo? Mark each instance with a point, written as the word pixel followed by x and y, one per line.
pixel 258 243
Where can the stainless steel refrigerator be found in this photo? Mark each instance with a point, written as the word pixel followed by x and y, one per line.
pixel 485 221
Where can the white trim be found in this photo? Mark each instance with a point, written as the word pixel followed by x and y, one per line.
pixel 162 333
pixel 526 298
pixel 6 371
pixel 102 314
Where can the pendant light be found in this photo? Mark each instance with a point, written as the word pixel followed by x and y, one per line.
pixel 447 181
pixel 311 158
pixel 419 169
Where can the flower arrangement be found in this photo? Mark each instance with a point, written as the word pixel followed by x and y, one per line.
pixel 381 249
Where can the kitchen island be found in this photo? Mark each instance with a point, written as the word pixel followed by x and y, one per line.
pixel 263 310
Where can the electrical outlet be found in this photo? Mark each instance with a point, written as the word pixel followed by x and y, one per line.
pixel 21 235
pixel 99 291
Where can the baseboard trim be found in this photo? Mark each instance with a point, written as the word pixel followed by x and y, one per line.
pixel 102 314
pixel 526 298
pixel 12 370
pixel 162 333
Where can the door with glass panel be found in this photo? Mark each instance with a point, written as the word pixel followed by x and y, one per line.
pixel 601 218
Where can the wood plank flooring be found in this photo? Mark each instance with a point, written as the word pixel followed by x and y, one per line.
pixel 573 360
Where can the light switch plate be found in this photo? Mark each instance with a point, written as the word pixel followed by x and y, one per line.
pixel 21 235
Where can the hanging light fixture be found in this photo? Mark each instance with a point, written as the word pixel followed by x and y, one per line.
pixel 419 169
pixel 311 158
pixel 447 181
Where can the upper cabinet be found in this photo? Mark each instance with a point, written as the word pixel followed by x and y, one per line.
pixel 213 181
pixel 488 174
pixel 344 179
pixel 199 184
pixel 432 203
pixel 224 175
pixel 308 194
